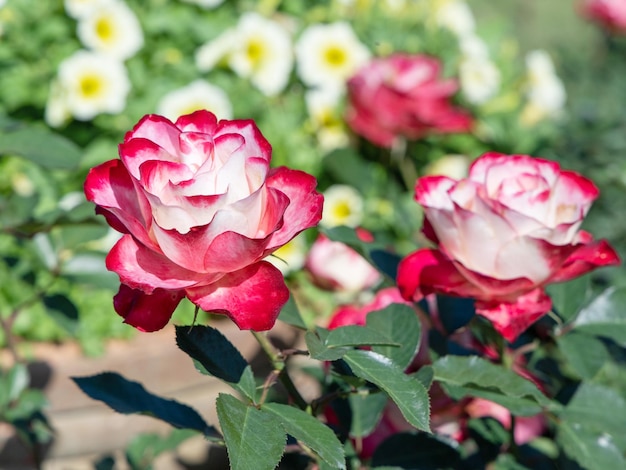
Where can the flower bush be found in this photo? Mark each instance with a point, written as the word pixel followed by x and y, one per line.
pixel 406 187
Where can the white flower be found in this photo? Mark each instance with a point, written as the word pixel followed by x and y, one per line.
pixel 329 54
pixel 197 95
pixel 480 79
pixel 205 3
pixel 343 205
pixel 453 166
pixel 79 8
pixel 92 83
pixel 545 91
pixel 473 46
pixel 324 114
pixel 57 113
pixel 454 15
pixel 290 257
pixel 111 28
pixel 262 52
pixel 210 54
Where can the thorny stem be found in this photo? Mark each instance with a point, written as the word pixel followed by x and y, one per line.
pixel 278 362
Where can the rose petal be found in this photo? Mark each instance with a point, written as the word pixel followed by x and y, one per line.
pixel 305 204
pixel 112 189
pixel 142 268
pixel 146 312
pixel 586 258
pixel 511 319
pixel 251 297
pixel 428 271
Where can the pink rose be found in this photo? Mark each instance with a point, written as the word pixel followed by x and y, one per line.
pixel 336 266
pixel 403 95
pixel 200 208
pixel 502 234
pixel 611 14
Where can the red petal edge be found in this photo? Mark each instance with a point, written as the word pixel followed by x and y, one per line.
pixel 146 312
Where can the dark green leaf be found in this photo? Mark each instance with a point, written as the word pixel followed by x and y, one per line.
pixel 592 450
pixel 605 316
pixel 63 311
pixel 311 432
pixel 213 350
pixel 508 462
pixel 401 325
pixel 425 375
pixel 473 376
pixel 455 312
pixel 290 314
pixel 354 335
pixel 597 408
pixel 585 354
pixel 366 412
pixel 128 397
pixel 406 391
pixel 416 451
pixel 569 297
pixel 255 439
pixel 40 146
pixel 316 345
pixel 347 167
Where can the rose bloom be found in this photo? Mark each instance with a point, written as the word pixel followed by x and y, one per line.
pixel 200 208
pixel 403 96
pixel 611 14
pixel 334 265
pixel 502 235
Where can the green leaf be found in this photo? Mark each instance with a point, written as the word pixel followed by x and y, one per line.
pixel 311 432
pixel 585 354
pixel 401 325
pixel 425 375
pixel 508 462
pixel 592 450
pixel 129 397
pixel 255 439
pixel 473 376
pixel 290 314
pixel 13 383
pixel 144 448
pixel 605 316
pixel 367 410
pixel 354 335
pixel 63 311
pixel 217 355
pixel 347 167
pixel 569 297
pixel 40 146
pixel 316 344
pixel 406 391
pixel 423 451
pixel 597 408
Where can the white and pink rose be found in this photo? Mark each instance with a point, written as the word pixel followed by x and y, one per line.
pixel 502 234
pixel 200 208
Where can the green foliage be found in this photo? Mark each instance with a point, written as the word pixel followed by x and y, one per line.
pixel 475 376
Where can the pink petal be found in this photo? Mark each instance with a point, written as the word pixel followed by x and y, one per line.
pixel 511 319
pixel 142 268
pixel 146 312
pixel 138 151
pixel 201 121
pixel 255 144
pixel 157 129
pixel 251 297
pixel 585 258
pixel 429 271
pixel 305 204
pixel 113 190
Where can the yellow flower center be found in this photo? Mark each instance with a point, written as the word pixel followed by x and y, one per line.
pixel 255 51
pixel 335 56
pixel 342 210
pixel 105 29
pixel 90 86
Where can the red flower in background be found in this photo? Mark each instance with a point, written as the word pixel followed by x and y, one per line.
pixel 502 234
pixel 610 14
pixel 403 96
pixel 200 208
